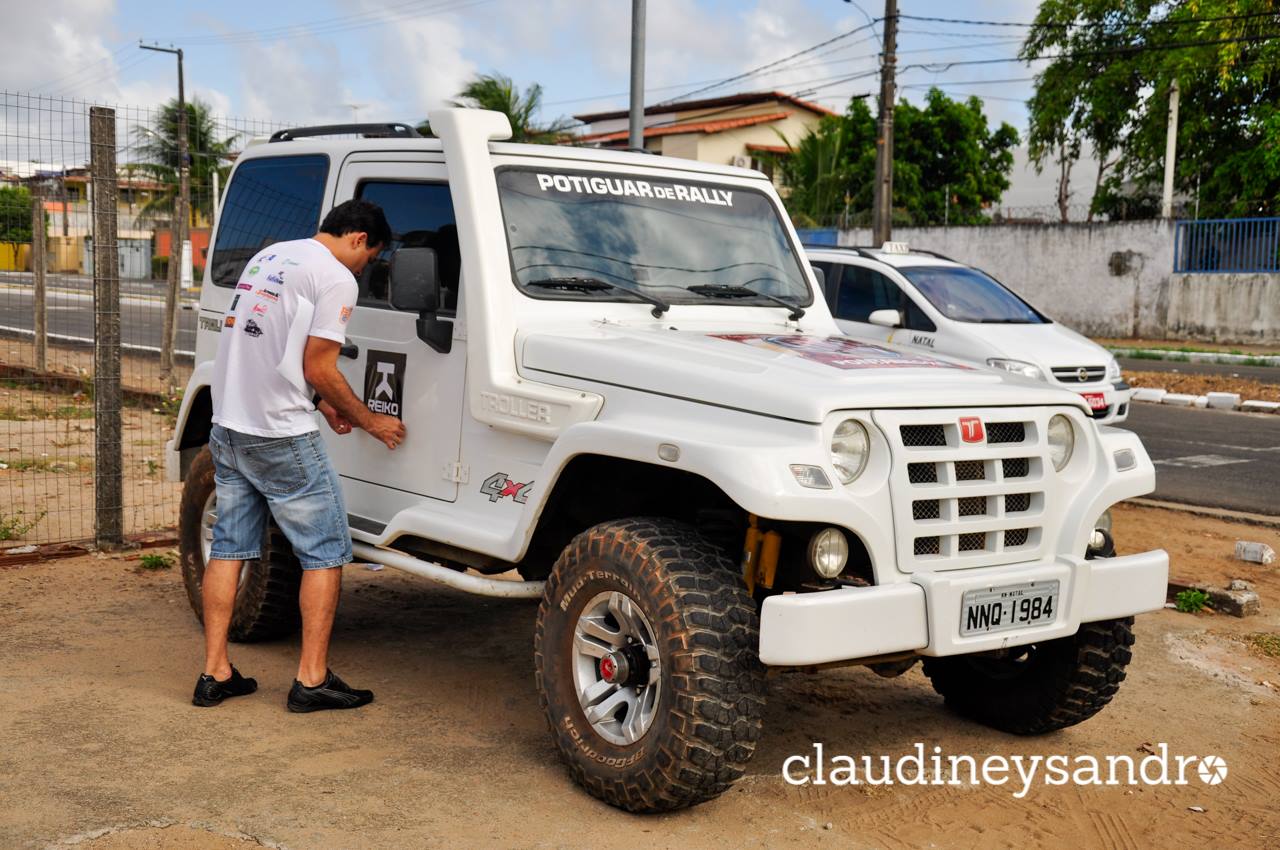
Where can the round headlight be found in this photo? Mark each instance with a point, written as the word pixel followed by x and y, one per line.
pixel 828 552
pixel 849 448
pixel 1062 440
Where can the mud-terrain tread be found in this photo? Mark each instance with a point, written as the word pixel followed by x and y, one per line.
pixel 268 606
pixel 711 643
pixel 1075 679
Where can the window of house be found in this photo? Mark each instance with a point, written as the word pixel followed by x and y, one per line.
pixel 272 199
pixel 421 216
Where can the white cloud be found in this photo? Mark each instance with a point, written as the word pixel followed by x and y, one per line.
pixel 420 63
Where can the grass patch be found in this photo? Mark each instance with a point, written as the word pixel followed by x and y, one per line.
pixel 47 464
pixel 29 412
pixel 153 562
pixel 13 526
pixel 1191 601
pixel 1265 643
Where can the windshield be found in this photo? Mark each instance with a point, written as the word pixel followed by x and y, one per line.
pixel 620 237
pixel 968 295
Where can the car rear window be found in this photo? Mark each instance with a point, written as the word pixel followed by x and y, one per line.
pixel 272 199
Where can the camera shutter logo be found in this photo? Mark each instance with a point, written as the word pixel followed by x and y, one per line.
pixel 384 382
pixel 1212 769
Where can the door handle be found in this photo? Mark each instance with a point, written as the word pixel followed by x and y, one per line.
pixel 351 350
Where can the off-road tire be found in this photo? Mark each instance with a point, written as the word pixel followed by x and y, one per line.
pixel 706 628
pixel 1061 682
pixel 267 601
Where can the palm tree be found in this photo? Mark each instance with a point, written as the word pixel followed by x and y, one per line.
pixel 499 93
pixel 157 149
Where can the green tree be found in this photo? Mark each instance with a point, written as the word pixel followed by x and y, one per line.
pixel 156 146
pixel 15 214
pixel 942 149
pixel 500 94
pixel 1111 89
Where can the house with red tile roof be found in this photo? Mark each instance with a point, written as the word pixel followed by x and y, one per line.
pixel 737 129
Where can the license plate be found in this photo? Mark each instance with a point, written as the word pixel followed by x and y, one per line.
pixel 1011 606
pixel 1096 401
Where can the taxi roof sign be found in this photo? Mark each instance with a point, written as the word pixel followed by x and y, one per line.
pixel 895 248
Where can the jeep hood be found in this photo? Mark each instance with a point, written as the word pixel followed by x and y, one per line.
pixel 789 375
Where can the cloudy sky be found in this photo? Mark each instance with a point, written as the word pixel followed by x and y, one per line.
pixel 309 61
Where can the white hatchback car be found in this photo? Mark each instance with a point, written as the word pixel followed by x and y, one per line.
pixel 924 300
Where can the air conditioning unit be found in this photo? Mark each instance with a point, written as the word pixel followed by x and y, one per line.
pixel 741 161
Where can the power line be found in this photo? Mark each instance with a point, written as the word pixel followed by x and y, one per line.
pixel 1088 24
pixel 775 63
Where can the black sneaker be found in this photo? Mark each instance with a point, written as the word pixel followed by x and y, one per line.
pixel 331 693
pixel 209 691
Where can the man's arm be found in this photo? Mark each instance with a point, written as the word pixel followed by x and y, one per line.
pixel 320 369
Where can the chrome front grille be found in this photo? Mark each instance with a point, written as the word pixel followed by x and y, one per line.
pixel 1079 374
pixel 964 504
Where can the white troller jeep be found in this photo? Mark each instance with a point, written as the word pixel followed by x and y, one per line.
pixel 618 382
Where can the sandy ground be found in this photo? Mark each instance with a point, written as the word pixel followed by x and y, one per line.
pixel 99 746
pixel 46 467
pixel 1195 384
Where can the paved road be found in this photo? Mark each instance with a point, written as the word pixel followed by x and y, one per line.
pixel 1266 374
pixel 1207 457
pixel 70 317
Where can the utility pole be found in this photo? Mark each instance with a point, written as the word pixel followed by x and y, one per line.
pixel 635 138
pixel 178 231
pixel 1170 153
pixel 882 205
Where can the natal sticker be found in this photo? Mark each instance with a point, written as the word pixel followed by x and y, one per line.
pixel 840 352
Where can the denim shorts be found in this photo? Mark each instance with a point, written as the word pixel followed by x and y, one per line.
pixel 293 479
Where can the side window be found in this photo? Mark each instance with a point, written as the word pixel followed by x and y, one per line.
pixel 862 292
pixel 916 318
pixel 421 216
pixel 272 199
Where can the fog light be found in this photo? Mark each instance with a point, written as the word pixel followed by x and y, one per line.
pixel 828 552
pixel 1125 459
pixel 810 476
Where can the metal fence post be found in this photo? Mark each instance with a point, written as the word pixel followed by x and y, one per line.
pixel 108 460
pixel 39 256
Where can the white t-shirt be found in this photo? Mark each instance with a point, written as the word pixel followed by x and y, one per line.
pixel 286 284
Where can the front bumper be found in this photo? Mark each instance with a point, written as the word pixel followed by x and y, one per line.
pixel 923 614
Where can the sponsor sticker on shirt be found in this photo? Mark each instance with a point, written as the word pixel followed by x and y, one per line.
pixel 244 286
pixel 267 294
pixel 230 322
pixel 840 352
pixel 344 315
pixel 259 309
pixel 252 329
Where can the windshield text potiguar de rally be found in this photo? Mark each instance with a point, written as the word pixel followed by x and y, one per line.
pixel 623 187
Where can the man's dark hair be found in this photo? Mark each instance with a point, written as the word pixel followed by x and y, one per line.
pixel 357 216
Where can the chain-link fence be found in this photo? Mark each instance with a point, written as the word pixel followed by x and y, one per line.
pixel 50 305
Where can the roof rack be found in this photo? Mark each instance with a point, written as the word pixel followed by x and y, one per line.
pixel 864 248
pixel 860 251
pixel 390 130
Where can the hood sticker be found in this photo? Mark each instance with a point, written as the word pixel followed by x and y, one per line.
pixel 840 352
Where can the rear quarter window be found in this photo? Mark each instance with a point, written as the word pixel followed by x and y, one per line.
pixel 271 199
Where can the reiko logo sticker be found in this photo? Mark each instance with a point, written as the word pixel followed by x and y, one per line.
pixel 499 486
pixel 384 382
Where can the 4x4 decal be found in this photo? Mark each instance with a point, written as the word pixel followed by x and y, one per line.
pixel 498 486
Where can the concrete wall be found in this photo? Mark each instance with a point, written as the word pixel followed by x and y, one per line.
pixel 1224 307
pixel 1100 279
pixel 1112 279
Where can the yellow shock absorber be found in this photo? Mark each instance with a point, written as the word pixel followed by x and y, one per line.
pixel 751 553
pixel 769 557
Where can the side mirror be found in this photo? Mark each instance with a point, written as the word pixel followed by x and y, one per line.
pixel 414 281
pixel 821 277
pixel 414 286
pixel 886 318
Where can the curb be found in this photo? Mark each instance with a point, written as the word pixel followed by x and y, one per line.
pixel 1197 356
pixel 1212 401
pixel 1225 514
